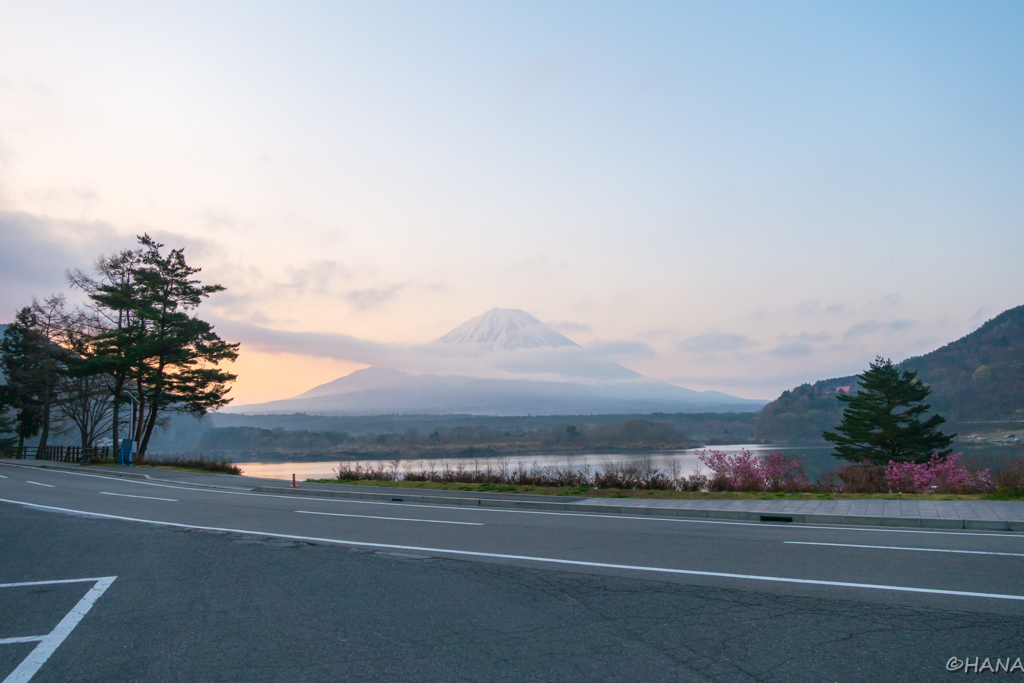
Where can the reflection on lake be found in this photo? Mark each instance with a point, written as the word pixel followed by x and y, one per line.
pixel 817 460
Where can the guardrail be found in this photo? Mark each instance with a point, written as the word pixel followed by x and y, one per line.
pixel 77 454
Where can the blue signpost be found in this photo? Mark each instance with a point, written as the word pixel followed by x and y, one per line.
pixel 124 456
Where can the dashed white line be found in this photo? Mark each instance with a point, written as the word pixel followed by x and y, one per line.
pixel 49 486
pixel 890 547
pixel 542 560
pixel 128 495
pixel 391 519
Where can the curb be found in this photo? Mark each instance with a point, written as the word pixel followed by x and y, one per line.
pixel 671 513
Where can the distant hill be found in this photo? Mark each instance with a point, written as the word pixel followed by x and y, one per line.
pixel 979 377
pixel 308 435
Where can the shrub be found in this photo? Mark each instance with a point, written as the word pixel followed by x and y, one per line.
pixel 940 474
pixel 863 478
pixel 746 472
pixel 1010 477
pixel 224 466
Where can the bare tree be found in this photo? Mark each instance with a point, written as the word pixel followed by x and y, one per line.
pixel 113 292
pixel 83 395
pixel 51 321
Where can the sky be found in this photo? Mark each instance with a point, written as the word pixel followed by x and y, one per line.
pixel 736 196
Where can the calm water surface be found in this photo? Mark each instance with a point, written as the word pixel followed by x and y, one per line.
pixel 816 459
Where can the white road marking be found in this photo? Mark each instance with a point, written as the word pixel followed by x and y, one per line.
pixel 24 639
pixel 543 560
pixel 128 495
pixel 2 476
pixel 923 550
pixel 51 641
pixel 393 519
pixel 51 583
pixel 49 486
pixel 596 515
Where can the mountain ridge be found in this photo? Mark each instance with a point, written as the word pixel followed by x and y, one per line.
pixel 523 367
pixel 408 393
pixel 978 377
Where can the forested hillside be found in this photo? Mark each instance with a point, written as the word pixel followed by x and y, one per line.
pixel 302 434
pixel 251 442
pixel 979 377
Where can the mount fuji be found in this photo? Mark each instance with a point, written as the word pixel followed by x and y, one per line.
pixel 505 329
pixel 508 363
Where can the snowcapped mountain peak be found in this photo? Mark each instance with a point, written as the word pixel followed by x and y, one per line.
pixel 504 329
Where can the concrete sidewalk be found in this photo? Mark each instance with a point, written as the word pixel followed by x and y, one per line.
pixel 938 514
pixel 970 514
pixel 932 514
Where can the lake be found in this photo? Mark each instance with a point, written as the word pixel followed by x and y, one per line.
pixel 817 460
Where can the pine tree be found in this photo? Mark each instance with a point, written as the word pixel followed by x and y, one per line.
pixel 178 355
pixel 8 424
pixel 23 360
pixel 882 421
pixel 113 349
pixel 149 343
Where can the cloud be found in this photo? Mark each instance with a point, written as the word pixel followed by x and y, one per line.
pixel 317 276
pixel 627 349
pixel 658 333
pixel 815 307
pixel 65 200
pixel 868 327
pixel 316 344
pixel 365 299
pixel 712 342
pixel 816 338
pixel 569 326
pixel 37 251
pixel 891 300
pixel 770 381
pixel 559 363
pixel 792 348
pixel 215 219
pixel 259 297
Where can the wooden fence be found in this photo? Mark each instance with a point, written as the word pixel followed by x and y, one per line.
pixel 79 454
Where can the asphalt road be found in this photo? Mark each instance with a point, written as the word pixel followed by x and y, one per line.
pixel 240 586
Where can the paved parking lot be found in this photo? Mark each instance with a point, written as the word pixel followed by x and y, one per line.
pixel 234 585
pixel 198 606
pixel 38 616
